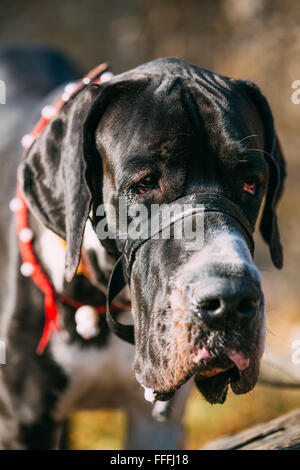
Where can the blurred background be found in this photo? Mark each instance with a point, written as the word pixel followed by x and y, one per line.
pixel 255 39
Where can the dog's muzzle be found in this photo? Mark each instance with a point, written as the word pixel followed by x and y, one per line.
pixel 210 202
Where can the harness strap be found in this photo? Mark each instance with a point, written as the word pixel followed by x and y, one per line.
pixel 37 274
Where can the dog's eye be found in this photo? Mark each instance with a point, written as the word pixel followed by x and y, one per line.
pixel 147 184
pixel 250 186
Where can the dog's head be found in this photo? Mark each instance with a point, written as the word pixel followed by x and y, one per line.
pixel 152 135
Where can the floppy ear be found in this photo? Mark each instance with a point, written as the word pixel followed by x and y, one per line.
pixel 61 174
pixel 277 171
pixel 53 177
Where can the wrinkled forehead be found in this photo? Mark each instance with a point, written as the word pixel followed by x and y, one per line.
pixel 148 121
pixel 170 117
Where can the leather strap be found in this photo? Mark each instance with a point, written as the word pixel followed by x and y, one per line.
pixel 115 285
pixel 212 202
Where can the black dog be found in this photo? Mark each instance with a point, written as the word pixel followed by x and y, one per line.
pixel 155 134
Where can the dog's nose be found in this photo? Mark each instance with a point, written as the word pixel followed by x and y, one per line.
pixel 218 301
pixel 215 310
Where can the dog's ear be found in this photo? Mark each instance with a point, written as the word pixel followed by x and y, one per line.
pixel 53 176
pixel 277 170
pixel 61 173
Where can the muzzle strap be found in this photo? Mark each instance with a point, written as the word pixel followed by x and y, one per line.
pixel 116 283
pixel 212 202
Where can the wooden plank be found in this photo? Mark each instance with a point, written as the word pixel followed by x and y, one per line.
pixel 280 433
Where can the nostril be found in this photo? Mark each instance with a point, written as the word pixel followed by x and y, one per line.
pixel 210 305
pixel 247 306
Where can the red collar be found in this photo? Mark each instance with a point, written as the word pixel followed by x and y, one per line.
pixel 30 265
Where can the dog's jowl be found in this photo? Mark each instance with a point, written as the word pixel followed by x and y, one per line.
pixel 166 132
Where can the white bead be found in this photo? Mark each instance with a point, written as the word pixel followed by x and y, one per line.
pixel 15 204
pixel 27 140
pixel 70 88
pixel 106 76
pixel 26 235
pixel 149 395
pixel 87 332
pixel 27 269
pixel 65 97
pixel 48 112
pixel 86 313
pixel 87 319
pixel 86 80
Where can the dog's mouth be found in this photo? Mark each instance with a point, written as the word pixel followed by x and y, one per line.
pixel 214 373
pixel 215 358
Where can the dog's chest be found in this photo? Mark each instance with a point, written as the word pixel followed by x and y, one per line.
pixel 97 377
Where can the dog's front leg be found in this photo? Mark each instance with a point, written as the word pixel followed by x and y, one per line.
pixel 146 432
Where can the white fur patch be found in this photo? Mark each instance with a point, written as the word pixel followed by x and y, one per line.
pixel 225 248
pixel 91 242
pixel 52 255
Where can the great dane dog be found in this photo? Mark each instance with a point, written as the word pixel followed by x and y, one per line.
pixel 161 132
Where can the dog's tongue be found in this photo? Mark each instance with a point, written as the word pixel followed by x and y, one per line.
pixel 202 353
pixel 241 361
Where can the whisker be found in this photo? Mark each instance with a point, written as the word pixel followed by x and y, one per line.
pixel 248 137
pixel 260 150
